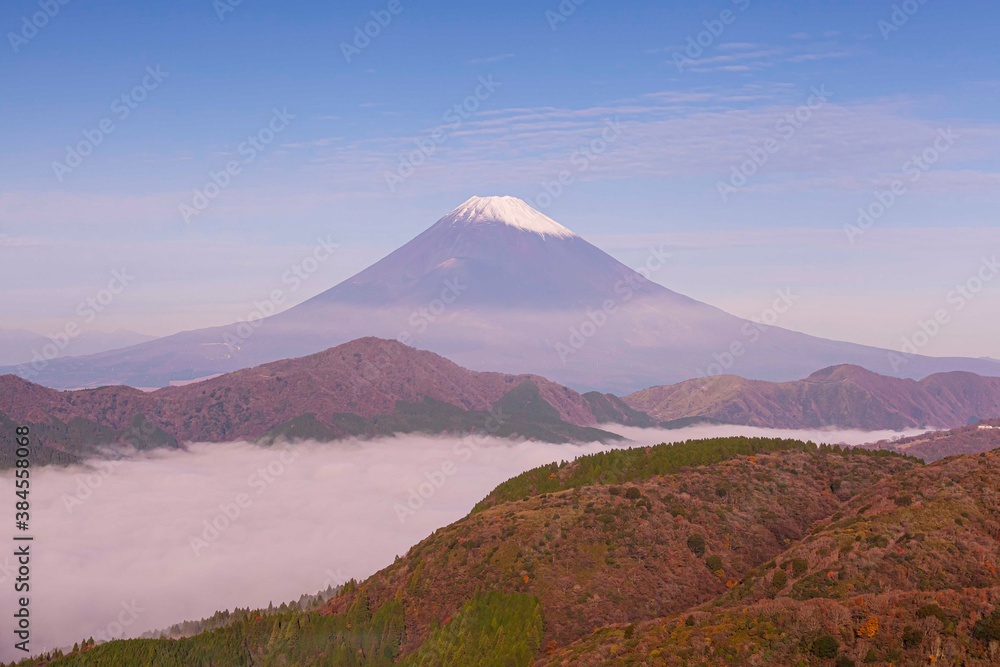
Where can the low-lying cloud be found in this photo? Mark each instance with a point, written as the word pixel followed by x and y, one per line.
pixel 141 544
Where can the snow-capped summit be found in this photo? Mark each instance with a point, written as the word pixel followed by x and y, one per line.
pixel 501 251
pixel 510 211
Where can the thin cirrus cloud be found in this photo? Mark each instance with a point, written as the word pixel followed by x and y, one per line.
pixel 846 146
pixel 757 59
pixel 491 59
pixel 843 145
pixel 745 56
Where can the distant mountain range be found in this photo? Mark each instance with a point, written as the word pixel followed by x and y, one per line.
pixel 20 346
pixel 840 396
pixel 497 285
pixel 731 551
pixel 373 387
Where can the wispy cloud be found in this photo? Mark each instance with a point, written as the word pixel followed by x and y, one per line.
pixel 683 134
pixel 491 59
pixel 747 56
pixel 315 143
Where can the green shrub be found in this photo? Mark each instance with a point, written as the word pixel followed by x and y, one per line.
pixel 508 625
pixel 633 493
pixel 696 543
pixel 714 563
pixel 880 541
pixel 988 628
pixel 825 646
pixel 934 610
pixel 844 661
pixel 799 567
pixel 779 580
pixel 871 656
pixel 912 638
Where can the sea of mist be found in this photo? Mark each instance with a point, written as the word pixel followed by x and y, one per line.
pixel 129 546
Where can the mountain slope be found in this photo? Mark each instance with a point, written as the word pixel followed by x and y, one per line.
pixel 596 553
pixel 367 387
pixel 842 396
pixel 902 629
pixel 930 447
pixel 497 285
pixel 905 573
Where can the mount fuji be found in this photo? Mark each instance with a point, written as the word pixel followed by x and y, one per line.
pixel 496 285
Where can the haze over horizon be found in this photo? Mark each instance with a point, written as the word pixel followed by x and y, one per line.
pixel 341 135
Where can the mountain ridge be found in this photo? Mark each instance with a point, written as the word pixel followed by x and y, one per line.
pixel 840 396
pixel 364 388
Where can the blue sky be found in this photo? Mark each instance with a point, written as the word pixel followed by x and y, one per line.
pixel 885 94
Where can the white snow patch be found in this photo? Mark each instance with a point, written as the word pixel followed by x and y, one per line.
pixel 510 211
